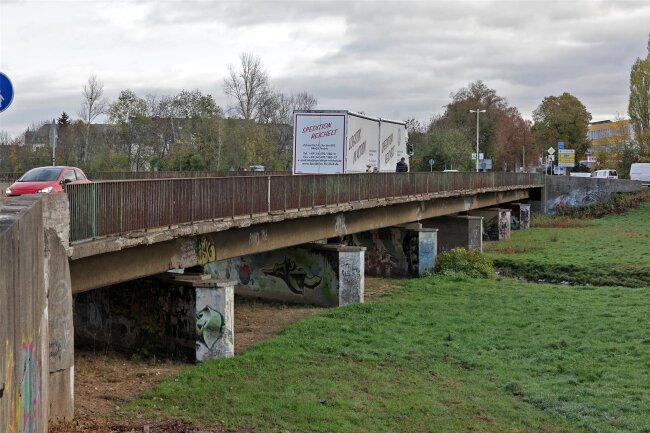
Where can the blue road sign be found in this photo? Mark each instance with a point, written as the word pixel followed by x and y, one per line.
pixel 560 145
pixel 6 92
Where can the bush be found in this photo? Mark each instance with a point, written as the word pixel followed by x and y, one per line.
pixel 467 262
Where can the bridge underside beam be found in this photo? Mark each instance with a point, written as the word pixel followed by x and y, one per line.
pixel 140 261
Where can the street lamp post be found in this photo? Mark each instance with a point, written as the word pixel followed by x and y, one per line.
pixel 477 111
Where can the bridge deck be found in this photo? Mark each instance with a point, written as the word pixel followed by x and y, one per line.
pixel 118 207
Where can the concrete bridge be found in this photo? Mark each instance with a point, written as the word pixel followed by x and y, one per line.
pixel 99 235
pixel 130 229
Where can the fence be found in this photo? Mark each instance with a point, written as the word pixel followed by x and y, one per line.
pixel 130 175
pixel 105 208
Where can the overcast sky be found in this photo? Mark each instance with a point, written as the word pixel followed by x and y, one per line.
pixel 395 59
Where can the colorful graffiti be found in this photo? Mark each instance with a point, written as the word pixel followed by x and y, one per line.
pixel 576 198
pixel 209 327
pixel 6 392
pixel 29 386
pixel 292 274
pixel 205 251
pixel 504 224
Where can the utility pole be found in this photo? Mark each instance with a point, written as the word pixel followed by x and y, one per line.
pixel 477 111
pixel 53 137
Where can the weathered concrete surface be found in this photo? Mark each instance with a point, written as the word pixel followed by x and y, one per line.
pixel 159 235
pixel 23 318
pixel 519 215
pixel 61 404
pixel 215 319
pixel 59 291
pixel 103 269
pixel 318 274
pixel 457 231
pixel 407 250
pixel 561 192
pixel 496 223
pixel 190 319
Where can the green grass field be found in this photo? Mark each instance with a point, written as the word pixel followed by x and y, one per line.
pixel 450 354
pixel 614 250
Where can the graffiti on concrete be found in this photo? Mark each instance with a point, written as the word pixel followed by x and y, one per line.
pixel 6 391
pixel 383 251
pixel 61 348
pixel 117 317
pixel 244 272
pixel 411 250
pixel 29 386
pixel 389 252
pixel 339 225
pixel 214 323
pixel 256 237
pixel 205 251
pixel 291 274
pixel 427 249
pixel 209 327
pixel 576 198
pixel 524 216
pixel 351 278
pixel 504 224
pixel 294 276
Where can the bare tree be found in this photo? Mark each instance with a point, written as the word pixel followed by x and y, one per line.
pixel 93 104
pixel 248 86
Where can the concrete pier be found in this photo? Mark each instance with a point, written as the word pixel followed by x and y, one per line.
pixel 496 223
pixel 176 315
pixel 459 231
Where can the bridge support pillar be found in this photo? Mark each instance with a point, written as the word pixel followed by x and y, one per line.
pixel 461 231
pixel 407 250
pixel 496 223
pixel 214 316
pixel 325 275
pixel 520 215
pixel 177 315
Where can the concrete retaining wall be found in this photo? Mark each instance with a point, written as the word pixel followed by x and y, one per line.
pixel 566 191
pixel 325 275
pixel 23 318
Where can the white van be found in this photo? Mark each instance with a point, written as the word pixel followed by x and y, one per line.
pixel 641 171
pixel 605 174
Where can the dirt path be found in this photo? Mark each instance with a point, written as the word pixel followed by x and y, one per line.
pixel 106 381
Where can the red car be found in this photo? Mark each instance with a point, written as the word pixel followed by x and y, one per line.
pixel 46 180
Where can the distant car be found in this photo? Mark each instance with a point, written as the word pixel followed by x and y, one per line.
pixel 46 180
pixel 605 174
pixel 641 171
pixel 450 171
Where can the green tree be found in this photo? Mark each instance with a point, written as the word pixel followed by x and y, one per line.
pixel 639 104
pixel 129 114
pixel 448 145
pixel 562 118
pixel 477 95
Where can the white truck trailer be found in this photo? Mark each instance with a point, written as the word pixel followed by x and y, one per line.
pixel 340 141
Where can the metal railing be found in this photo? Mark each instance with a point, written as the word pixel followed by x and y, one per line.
pixel 130 175
pixel 114 207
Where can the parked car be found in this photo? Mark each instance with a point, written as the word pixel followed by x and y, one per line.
pixel 605 174
pixel 640 171
pixel 46 180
